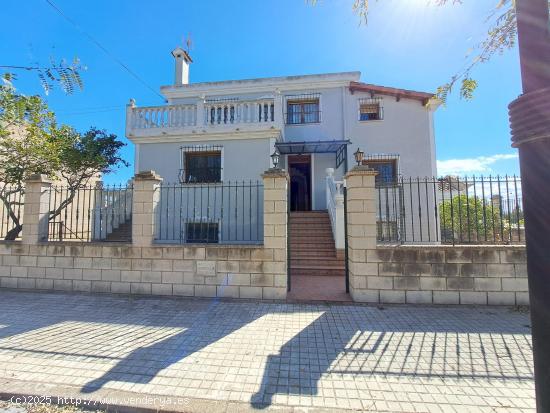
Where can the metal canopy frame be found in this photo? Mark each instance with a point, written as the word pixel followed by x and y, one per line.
pixel 337 147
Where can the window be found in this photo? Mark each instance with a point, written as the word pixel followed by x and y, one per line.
pixel 386 168
pixel 201 232
pixel 202 167
pixel 370 109
pixel 302 111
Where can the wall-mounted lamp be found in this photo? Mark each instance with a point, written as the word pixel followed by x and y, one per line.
pixel 359 156
pixel 275 156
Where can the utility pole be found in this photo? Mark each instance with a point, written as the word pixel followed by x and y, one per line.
pixel 530 124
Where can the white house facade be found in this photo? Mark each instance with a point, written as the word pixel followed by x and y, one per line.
pixel 227 130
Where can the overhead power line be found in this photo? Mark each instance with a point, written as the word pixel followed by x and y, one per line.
pixel 22 67
pixel 105 50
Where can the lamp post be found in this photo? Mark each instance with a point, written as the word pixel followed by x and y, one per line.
pixel 275 156
pixel 359 156
pixel 530 124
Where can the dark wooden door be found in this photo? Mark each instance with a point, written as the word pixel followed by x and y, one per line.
pixel 299 167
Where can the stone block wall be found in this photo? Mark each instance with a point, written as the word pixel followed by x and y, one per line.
pixel 200 271
pixel 213 270
pixel 477 274
pixel 494 275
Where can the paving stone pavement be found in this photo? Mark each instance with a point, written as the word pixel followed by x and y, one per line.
pixel 269 355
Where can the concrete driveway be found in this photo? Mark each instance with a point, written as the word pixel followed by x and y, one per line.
pixel 211 355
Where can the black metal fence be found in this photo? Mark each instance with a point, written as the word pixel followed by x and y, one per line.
pixel 12 200
pixel 224 213
pixel 451 210
pixel 90 213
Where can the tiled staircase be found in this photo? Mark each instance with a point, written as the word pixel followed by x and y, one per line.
pixel 312 249
pixel 123 233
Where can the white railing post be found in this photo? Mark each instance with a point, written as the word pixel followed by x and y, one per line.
pixel 335 207
pixel 278 109
pixel 202 114
pixel 130 116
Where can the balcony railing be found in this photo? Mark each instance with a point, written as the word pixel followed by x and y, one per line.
pixel 173 116
pixel 222 113
pixel 214 115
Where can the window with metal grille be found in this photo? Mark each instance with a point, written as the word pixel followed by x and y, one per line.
pixel 386 168
pixel 370 109
pixel 302 109
pixel 202 232
pixel 202 167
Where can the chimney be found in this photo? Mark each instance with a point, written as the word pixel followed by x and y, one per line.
pixel 182 60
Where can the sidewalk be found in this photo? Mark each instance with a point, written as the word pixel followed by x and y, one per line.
pixel 201 355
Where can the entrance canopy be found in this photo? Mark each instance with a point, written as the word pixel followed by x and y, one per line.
pixel 300 148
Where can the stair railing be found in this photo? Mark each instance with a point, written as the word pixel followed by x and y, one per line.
pixel 335 206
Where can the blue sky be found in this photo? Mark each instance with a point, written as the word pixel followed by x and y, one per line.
pixel 406 44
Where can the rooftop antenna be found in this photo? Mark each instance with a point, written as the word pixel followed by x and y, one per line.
pixel 188 43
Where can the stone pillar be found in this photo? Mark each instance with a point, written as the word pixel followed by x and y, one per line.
pixel 145 200
pixel 275 227
pixel 36 211
pixel 361 218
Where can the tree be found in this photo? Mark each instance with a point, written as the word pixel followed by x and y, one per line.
pixel 501 36
pixel 83 157
pixel 467 218
pixel 31 142
pixel 26 146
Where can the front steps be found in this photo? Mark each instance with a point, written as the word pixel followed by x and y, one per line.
pixel 312 249
pixel 123 233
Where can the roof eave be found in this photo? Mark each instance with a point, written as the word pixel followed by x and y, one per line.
pixel 424 97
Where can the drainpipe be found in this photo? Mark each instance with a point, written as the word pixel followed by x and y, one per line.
pixel 530 124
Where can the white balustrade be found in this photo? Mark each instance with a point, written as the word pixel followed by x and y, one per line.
pixel 207 114
pixel 172 116
pixel 230 113
pixel 335 206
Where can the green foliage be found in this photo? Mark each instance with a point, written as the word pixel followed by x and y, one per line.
pixel 85 155
pixel 468 218
pixel 66 75
pixel 31 142
pixel 27 146
pixel 468 87
pixel 63 74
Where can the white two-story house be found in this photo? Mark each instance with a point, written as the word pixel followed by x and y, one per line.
pixel 227 130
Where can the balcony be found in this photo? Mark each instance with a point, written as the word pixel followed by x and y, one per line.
pixel 205 117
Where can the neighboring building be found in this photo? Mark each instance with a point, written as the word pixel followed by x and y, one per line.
pixel 220 131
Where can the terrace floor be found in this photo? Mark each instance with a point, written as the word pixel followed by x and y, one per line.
pixel 211 355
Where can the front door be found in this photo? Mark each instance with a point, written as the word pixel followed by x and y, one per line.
pixel 299 167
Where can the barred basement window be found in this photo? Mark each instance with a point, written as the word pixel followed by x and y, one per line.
pixel 202 232
pixel 370 109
